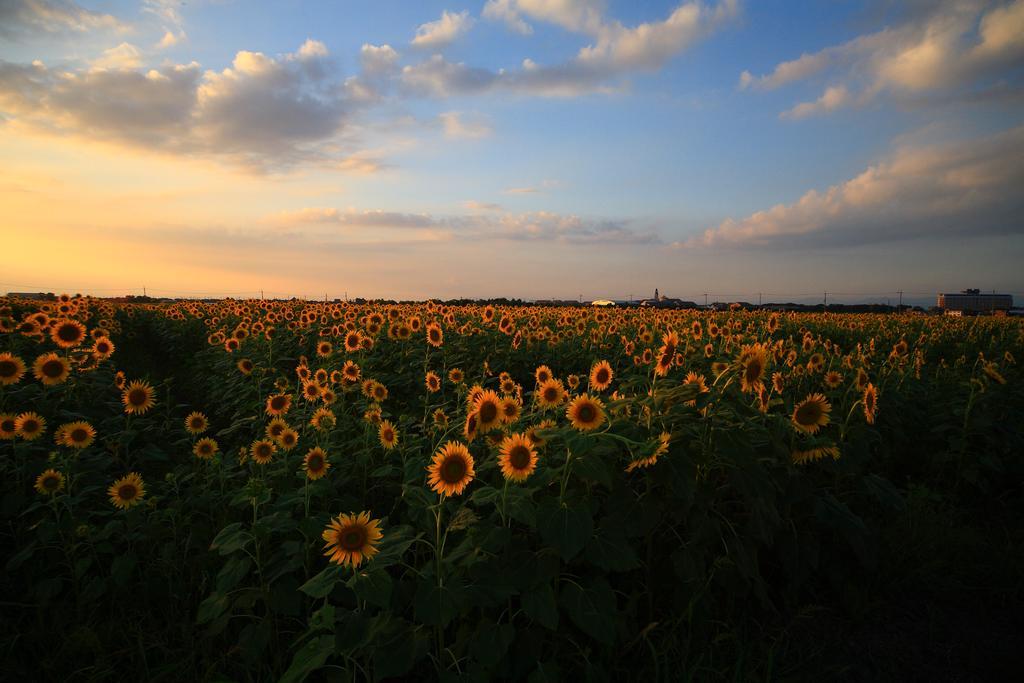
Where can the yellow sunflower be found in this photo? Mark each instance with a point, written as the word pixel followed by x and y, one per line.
pixel 518 459
pixel 432 382
pixel 753 362
pixel 278 404
pixel 103 348
pixel 585 413
pixel 262 451
pixel 196 423
pixel 387 434
pixel 30 426
pixel 77 434
pixel 12 368
pixel 451 469
pixel 287 439
pixel 661 449
pixel 487 406
pixel 8 427
pixel 51 369
pixel 811 414
pixel 205 449
pixel 352 539
pixel 551 393
pixel 601 376
pixel 315 463
pixel 138 397
pixel 810 455
pixel 127 491
pixel 67 333
pixel 323 419
pixel 870 401
pixel 49 482
pixel 435 335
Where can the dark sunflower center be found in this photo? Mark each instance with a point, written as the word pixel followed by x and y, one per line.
pixel 102 347
pixel 808 414
pixel 586 413
pixel 137 397
pixel 488 412
pixel 68 333
pixel 7 368
pixel 277 403
pixel 197 423
pixel 387 435
pixel 602 376
pixel 352 538
pixel 263 451
pixel 7 426
pixel 453 469
pixel 519 457
pixel 127 492
pixel 30 426
pixel 78 435
pixel 550 394
pixel 753 370
pixel 434 335
pixel 53 368
pixel 315 462
pixel 51 483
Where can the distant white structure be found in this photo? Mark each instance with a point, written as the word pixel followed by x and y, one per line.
pixel 602 302
pixel 973 301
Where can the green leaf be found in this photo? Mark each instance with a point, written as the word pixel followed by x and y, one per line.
pixel 321 585
pixel 593 467
pixel 121 569
pixel 392 547
pixel 435 605
pixel 373 586
pixel 609 549
pixel 491 642
pixel 311 657
pixel 539 604
pixel 212 607
pixel 564 528
pixel 592 609
pixel 231 538
pixel 233 571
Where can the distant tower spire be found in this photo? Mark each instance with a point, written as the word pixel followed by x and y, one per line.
pixel 656 294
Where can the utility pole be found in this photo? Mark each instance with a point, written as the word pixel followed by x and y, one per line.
pixel 826 299
pixel 143 290
pixel 705 299
pixel 261 295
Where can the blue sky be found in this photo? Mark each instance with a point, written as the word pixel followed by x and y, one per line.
pixel 514 147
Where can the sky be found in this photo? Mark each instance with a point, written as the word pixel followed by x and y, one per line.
pixel 520 148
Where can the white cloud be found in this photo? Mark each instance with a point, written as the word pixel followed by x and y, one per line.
pixel 617 51
pixel 505 11
pixel 378 59
pixel 474 205
pixel 954 190
pixel 170 39
pixel 959 44
pixel 833 98
pixel 52 16
pixel 443 32
pixel 123 56
pixel 460 126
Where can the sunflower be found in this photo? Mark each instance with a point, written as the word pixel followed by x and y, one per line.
pixel 315 463
pixel 601 376
pixel 196 423
pixel 77 434
pixel 801 457
pixel 103 348
pixel 551 393
pixel 11 369
pixel 120 380
pixel 288 438
pixel 870 401
pixel 542 374
pixel 660 449
pixel 127 491
pixel 278 404
pixel 205 449
pixel 487 406
pixel 833 379
pixel 350 372
pixel 510 409
pixel 433 382
pixel 753 361
pixel 353 341
pixel 778 382
pixel 352 539
pixel 455 376
pixel 435 335
pixel 440 419
pixel 49 482
pixel 30 426
pixel 323 419
pixel 262 451
pixel 8 427
pixel 451 469
pixel 138 397
pixel 372 415
pixel 532 433
pixel 244 366
pixel 67 333
pixel 666 354
pixel 378 392
pixel 51 369
pixel 324 349
pixel 387 434
pixel 585 413
pixel 518 460
pixel 811 414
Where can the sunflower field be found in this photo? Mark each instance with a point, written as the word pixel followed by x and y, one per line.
pixel 294 490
